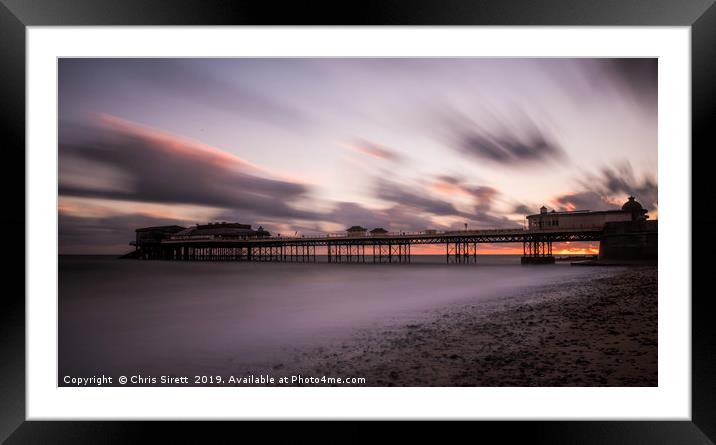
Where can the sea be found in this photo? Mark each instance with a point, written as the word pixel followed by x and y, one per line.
pixel 134 317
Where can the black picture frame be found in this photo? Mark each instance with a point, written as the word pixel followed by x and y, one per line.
pixel 16 15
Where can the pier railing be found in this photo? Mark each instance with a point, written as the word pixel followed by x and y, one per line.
pixel 328 236
pixel 461 246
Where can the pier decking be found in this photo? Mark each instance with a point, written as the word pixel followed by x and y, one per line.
pixel 460 246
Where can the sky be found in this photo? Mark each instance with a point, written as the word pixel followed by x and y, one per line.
pixel 315 145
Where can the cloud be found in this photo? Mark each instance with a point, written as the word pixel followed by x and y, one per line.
pixel 97 235
pixel 620 179
pixel 162 168
pixel 523 209
pixel 149 166
pixel 609 189
pixel 194 81
pixel 483 195
pixel 586 200
pixel 452 180
pixel 394 192
pixel 377 151
pixel 635 77
pixel 516 140
pixel 393 218
pixel 416 198
pixel 605 82
pixel 484 220
pixel 507 148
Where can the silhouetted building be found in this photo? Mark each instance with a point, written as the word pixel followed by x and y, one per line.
pixel 638 212
pixel 356 231
pixel 378 231
pixel 154 235
pixel 221 230
pixel 584 219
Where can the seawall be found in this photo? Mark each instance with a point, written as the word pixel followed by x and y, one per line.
pixel 632 240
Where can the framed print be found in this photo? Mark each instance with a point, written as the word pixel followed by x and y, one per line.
pixel 444 212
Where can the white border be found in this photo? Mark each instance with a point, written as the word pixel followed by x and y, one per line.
pixel 670 400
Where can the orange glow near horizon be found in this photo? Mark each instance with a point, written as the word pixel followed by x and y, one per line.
pixel 577 251
pixel 501 249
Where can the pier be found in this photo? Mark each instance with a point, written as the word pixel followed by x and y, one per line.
pixel 460 246
pixel 625 234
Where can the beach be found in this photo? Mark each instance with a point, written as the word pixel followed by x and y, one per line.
pixel 599 332
pixel 496 323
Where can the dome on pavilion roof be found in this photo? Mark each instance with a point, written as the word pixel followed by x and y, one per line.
pixel 632 205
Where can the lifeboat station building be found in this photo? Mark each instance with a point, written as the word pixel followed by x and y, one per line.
pixel 586 219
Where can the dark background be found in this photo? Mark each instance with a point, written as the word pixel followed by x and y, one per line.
pixel 15 15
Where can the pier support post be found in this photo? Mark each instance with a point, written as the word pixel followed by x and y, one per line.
pixel 537 250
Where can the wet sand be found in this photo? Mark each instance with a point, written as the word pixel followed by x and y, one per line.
pixel 600 332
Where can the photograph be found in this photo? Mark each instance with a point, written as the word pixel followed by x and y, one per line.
pixel 357 221
pixel 231 213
